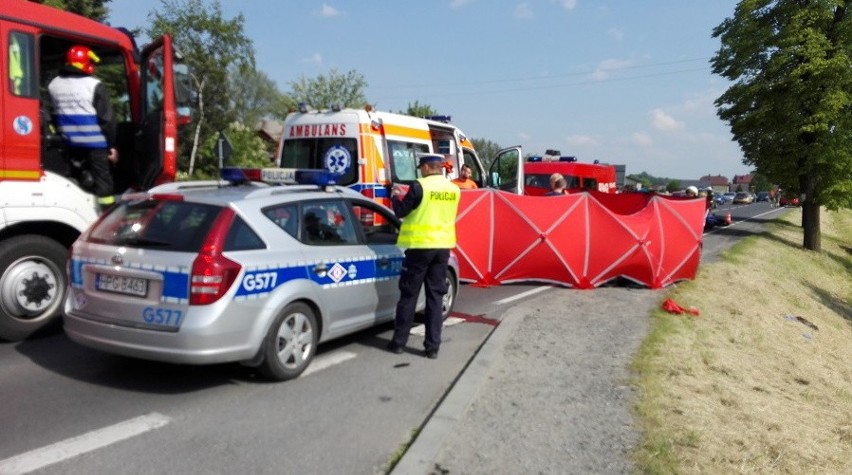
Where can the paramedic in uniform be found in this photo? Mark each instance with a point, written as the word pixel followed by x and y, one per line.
pixel 463 181
pixel 427 234
pixel 83 114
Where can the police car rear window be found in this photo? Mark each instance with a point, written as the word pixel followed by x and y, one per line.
pixel 158 225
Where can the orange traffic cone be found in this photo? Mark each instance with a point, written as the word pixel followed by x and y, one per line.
pixel 728 218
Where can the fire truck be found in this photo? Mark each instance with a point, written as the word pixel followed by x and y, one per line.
pixel 510 171
pixel 43 204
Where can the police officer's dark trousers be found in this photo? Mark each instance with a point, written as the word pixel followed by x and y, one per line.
pixel 421 266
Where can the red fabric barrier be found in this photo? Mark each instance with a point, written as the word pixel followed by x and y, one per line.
pixel 581 240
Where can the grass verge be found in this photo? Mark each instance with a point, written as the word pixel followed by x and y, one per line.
pixel 761 381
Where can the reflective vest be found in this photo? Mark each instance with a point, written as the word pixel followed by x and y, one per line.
pixel 73 103
pixel 432 224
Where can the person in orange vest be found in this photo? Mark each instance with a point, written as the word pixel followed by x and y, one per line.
pixel 428 233
pixel 463 181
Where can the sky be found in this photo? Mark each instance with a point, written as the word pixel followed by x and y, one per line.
pixel 623 82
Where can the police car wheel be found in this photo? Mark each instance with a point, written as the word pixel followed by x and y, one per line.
pixel 449 298
pixel 290 343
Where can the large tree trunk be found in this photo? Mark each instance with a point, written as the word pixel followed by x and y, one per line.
pixel 810 215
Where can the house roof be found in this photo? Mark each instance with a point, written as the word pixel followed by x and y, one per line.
pixel 717 180
pixel 742 179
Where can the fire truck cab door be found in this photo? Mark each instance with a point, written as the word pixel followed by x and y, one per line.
pixel 157 158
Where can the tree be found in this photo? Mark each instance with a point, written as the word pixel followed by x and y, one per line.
pixel 346 90
pixel 486 150
pixel 790 108
pixel 213 47
pixel 255 96
pixel 673 185
pixel 419 110
pixel 248 151
pixel 94 9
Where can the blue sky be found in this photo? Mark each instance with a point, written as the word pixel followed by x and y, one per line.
pixel 624 82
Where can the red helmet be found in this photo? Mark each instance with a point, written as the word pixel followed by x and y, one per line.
pixel 82 58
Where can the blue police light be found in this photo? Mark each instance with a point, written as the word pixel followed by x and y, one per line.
pixel 534 158
pixel 315 177
pixel 567 159
pixel 239 175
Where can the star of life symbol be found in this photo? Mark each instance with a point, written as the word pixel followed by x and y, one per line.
pixel 22 125
pixel 337 160
pixel 337 272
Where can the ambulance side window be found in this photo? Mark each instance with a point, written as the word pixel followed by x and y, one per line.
pixel 404 159
pixel 22 77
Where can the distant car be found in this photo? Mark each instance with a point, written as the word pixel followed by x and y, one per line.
pixel 743 197
pixel 788 201
pixel 236 271
pixel 762 196
pixel 728 197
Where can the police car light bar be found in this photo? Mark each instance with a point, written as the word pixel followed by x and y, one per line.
pixel 279 176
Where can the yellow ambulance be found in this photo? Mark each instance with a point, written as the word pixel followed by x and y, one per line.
pixel 370 150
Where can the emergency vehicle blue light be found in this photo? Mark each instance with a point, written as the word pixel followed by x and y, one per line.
pixel 315 177
pixel 439 118
pixel 567 159
pixel 234 175
pixel 534 158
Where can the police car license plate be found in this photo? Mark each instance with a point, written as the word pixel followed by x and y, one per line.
pixel 122 285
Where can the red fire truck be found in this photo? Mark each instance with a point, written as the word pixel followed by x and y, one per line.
pixel 510 171
pixel 42 207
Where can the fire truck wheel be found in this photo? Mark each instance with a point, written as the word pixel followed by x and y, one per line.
pixel 32 284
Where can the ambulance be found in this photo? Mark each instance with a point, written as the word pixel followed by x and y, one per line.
pixel 44 204
pixel 511 171
pixel 370 150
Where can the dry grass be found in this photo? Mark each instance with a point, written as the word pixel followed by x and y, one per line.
pixel 746 387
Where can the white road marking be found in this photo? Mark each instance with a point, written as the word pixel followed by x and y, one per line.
pixel 420 329
pixel 69 448
pixel 523 294
pixel 328 360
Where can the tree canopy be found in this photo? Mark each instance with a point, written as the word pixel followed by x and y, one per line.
pixel 94 9
pixel 790 107
pixel 346 90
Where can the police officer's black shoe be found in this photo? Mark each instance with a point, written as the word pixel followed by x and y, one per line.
pixel 394 348
pixel 432 354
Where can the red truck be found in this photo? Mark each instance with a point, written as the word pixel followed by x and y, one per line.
pixel 42 207
pixel 511 172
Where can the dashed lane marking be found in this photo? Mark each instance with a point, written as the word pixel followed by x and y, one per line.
pixel 69 448
pixel 523 295
pixel 328 360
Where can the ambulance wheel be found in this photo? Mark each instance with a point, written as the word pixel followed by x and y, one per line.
pixel 291 343
pixel 32 284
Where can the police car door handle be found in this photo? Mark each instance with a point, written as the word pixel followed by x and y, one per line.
pixel 321 268
pixel 384 262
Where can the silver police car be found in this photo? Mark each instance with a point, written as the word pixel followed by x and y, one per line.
pixel 237 270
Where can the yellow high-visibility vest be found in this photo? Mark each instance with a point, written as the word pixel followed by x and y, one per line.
pixel 432 225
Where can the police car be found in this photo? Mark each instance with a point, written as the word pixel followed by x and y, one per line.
pixel 237 270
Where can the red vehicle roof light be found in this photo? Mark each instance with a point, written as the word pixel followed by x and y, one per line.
pixel 212 273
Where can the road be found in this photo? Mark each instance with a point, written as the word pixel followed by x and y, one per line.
pixel 68 409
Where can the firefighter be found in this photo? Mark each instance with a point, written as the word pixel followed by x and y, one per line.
pixel 427 235
pixel 83 115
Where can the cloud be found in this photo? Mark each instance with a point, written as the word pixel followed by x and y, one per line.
pixel 328 11
pixel 662 121
pixel 523 11
pixel 608 65
pixel 315 58
pixel 459 3
pixel 615 34
pixel 524 136
pixel 580 140
pixel 642 139
pixel 568 4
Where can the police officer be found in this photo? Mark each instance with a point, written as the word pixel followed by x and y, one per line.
pixel 84 116
pixel 427 235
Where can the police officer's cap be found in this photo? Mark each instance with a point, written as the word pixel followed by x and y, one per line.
pixel 424 159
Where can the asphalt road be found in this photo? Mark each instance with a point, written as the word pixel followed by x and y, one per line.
pixel 68 409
